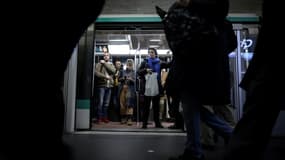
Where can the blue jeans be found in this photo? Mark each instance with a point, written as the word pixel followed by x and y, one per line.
pixel 193 111
pixel 103 101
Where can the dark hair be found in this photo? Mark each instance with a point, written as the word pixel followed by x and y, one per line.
pixel 153 49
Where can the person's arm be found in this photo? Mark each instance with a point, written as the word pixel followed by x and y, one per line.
pixel 98 71
pixel 132 77
pixel 163 77
pixel 110 68
pixel 142 69
pixel 121 76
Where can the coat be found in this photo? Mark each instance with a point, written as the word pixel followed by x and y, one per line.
pixel 266 69
pixel 200 48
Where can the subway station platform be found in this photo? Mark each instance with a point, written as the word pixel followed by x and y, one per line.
pixel 104 145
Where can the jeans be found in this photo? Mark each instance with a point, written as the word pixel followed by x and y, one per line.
pixel 103 101
pixel 193 112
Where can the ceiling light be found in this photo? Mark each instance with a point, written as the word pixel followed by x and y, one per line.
pixel 153 46
pixel 154 40
pixel 118 40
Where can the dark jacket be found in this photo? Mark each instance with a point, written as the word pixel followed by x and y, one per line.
pixel 100 74
pixel 142 72
pixel 266 69
pixel 201 51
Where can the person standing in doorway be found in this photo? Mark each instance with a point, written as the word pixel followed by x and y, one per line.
pixel 127 93
pixel 116 90
pixel 104 72
pixel 150 71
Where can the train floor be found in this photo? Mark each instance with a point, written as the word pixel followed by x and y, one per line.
pixel 135 126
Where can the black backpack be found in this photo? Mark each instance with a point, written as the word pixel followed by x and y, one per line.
pixel 184 27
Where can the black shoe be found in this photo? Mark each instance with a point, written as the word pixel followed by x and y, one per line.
pixel 144 127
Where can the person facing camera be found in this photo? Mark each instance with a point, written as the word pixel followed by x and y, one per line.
pixel 150 71
pixel 104 72
pixel 127 93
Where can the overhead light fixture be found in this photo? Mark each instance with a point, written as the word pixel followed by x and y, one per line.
pixel 119 49
pixel 153 46
pixel 154 40
pixel 118 40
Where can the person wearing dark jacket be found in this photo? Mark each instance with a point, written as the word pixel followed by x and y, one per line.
pixel 265 91
pixel 200 39
pixel 149 68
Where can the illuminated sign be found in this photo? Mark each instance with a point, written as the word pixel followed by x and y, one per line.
pixel 246 43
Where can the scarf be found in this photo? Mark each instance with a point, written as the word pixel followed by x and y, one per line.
pixel 154 64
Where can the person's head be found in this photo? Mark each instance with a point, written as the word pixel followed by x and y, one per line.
pixel 130 64
pixel 118 64
pixel 106 56
pixel 152 52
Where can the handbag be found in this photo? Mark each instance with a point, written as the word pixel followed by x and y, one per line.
pixel 151 85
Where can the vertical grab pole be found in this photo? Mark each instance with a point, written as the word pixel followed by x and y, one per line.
pixel 137 93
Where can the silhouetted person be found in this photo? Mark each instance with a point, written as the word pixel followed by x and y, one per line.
pixel 200 38
pixel 265 91
pixel 40 39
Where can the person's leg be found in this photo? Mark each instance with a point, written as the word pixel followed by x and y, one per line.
pixel 130 112
pixel 155 106
pixel 207 134
pixel 217 124
pixel 178 122
pixel 207 137
pixel 191 110
pixel 116 104
pixel 146 106
pixel 106 102
pixel 225 112
pixel 123 107
pixel 253 131
pixel 130 103
pixel 100 97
